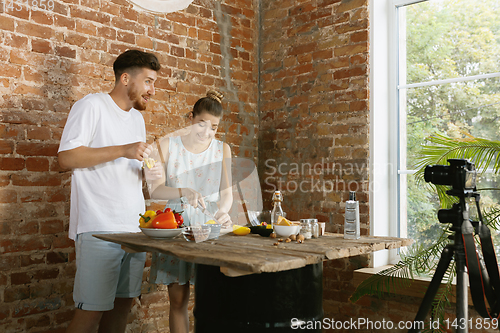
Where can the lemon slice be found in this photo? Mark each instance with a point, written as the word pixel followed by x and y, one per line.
pixel 211 222
pixel 240 231
pixel 150 162
pixel 283 221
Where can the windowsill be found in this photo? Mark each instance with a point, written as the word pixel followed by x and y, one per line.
pixel 417 288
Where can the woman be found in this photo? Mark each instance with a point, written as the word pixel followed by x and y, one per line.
pixel 197 174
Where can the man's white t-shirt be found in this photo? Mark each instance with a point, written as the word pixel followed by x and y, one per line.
pixel 108 196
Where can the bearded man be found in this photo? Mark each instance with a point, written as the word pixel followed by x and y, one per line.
pixel 104 144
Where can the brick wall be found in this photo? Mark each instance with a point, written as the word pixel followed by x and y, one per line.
pixel 313 141
pixel 50 59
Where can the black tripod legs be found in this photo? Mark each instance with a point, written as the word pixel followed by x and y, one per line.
pixel 462 301
pixel 425 306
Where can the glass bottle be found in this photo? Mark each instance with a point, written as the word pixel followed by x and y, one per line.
pixel 277 210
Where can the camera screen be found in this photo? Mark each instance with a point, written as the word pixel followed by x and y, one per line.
pixel 470 179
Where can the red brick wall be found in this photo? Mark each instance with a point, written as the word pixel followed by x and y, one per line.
pixel 313 142
pixel 50 59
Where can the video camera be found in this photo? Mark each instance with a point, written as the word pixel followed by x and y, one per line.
pixel 460 175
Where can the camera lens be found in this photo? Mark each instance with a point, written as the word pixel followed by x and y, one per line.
pixel 438 174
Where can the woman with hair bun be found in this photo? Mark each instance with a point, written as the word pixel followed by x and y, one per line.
pixel 197 169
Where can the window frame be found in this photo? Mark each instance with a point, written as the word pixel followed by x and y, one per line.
pixel 385 121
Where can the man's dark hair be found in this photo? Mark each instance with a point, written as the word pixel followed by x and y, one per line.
pixel 134 59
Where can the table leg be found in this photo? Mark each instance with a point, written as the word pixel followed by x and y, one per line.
pixel 266 302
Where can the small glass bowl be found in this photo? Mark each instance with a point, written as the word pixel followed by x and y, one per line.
pixel 197 233
pixel 214 231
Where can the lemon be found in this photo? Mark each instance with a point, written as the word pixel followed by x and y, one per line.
pixel 150 162
pixel 269 226
pixel 240 231
pixel 211 222
pixel 283 221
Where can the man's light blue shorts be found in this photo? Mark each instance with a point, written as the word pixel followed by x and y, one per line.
pixel 104 272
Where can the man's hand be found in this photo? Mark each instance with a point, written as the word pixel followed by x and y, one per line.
pixel 86 157
pixel 136 151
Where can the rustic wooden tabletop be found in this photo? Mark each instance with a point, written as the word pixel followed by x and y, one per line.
pixel 237 255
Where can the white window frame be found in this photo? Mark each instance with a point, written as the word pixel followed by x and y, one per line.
pixel 384 120
pixel 386 152
pixel 383 190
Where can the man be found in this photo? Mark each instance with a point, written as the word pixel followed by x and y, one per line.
pixel 103 142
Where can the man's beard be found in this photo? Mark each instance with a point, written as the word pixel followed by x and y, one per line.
pixel 137 100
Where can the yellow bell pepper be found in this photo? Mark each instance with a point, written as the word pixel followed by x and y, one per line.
pixel 146 220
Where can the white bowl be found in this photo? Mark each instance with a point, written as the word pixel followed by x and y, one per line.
pixel 161 233
pixel 285 230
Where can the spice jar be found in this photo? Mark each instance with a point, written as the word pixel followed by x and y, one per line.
pixel 306 228
pixel 315 228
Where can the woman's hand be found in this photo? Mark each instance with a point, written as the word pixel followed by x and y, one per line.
pixel 192 197
pixel 223 218
pixel 154 173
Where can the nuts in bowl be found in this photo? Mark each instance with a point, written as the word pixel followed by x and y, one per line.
pixel 197 233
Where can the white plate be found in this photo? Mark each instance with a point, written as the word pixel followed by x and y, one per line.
pixel 161 233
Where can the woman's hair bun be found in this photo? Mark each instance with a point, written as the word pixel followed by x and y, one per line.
pixel 215 95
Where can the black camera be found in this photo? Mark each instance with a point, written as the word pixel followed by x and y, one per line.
pixel 460 174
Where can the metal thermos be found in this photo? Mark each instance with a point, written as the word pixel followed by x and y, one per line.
pixel 351 221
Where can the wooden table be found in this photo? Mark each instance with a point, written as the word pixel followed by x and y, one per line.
pixel 257 286
pixel 239 255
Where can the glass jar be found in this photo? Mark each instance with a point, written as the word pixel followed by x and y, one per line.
pixel 306 228
pixel 315 228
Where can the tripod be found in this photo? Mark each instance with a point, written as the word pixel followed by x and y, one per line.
pixel 455 250
pixel 484 280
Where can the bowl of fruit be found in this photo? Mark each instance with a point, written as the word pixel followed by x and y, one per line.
pixel 161 224
pixel 286 228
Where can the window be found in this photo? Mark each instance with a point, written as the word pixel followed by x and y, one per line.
pixel 447 82
pixel 434 66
